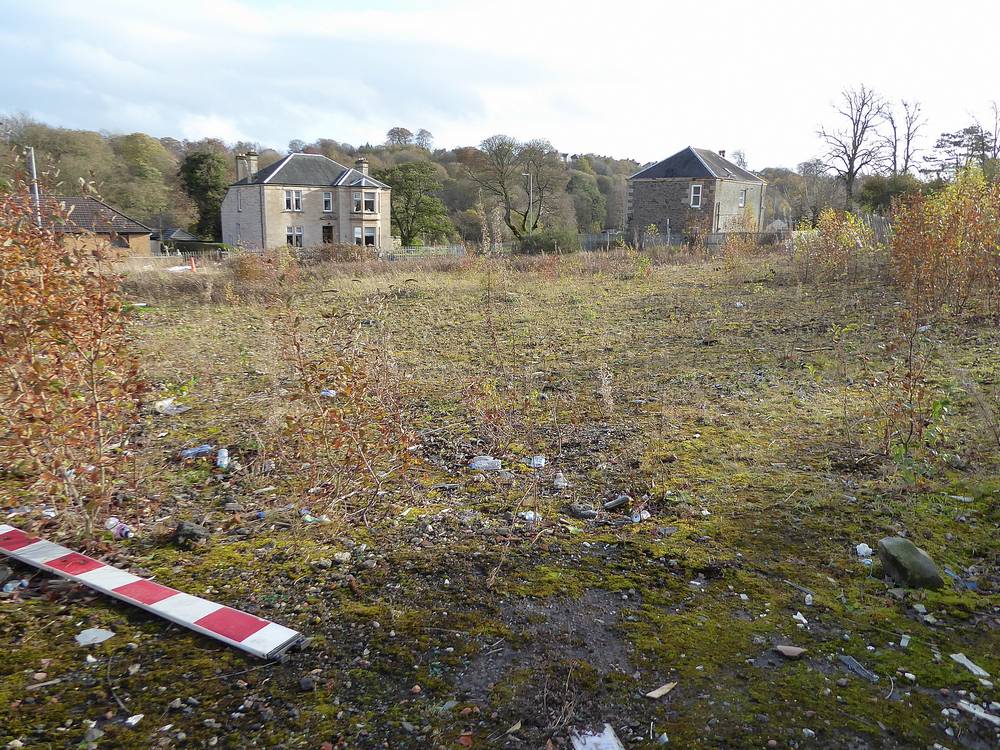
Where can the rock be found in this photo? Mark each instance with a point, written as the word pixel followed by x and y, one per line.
pixel 790 652
pixel 92 636
pixel 188 533
pixel 907 564
pixel 560 482
pixel 307 684
pixel 5 573
pixel 617 502
pixel 580 511
pixel 342 557
pixel 233 507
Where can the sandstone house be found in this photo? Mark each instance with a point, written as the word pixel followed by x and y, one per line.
pixel 695 191
pixel 304 200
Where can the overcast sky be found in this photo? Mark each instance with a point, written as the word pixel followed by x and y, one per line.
pixel 627 79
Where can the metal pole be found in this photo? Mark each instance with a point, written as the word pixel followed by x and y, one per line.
pixel 34 186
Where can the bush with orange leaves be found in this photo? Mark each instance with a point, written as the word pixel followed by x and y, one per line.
pixel 946 249
pixel 69 383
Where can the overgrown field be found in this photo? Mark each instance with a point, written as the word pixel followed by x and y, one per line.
pixel 767 426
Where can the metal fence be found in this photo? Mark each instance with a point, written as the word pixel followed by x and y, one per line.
pixel 426 251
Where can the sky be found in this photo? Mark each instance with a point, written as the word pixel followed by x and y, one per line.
pixel 623 79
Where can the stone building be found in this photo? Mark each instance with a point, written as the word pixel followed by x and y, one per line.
pixel 92 222
pixel 695 191
pixel 305 200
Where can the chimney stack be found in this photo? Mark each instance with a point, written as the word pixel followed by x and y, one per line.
pixel 241 166
pixel 252 163
pixel 722 153
pixel 362 166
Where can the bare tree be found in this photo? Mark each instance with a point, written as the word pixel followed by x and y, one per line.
pixel 900 139
pixel 424 139
pixel 854 145
pixel 523 177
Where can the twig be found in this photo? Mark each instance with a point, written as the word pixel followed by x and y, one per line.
pixel 111 688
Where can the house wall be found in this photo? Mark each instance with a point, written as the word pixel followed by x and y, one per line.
pixel 667 202
pixel 129 244
pixel 729 212
pixel 269 200
pixel 242 228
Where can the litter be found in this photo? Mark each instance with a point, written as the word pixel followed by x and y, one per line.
pixel 328 393
pixel 640 516
pixel 587 740
pixel 118 529
pixel 254 635
pixel 661 691
pixel 14 585
pixel 535 462
pixel 864 550
pixel 485 463
pixel 93 636
pixel 904 641
pixel 617 502
pixel 560 482
pixel 222 459
pixel 168 408
pixel 800 618
pixel 857 668
pixel 974 668
pixel 530 516
pixel 131 721
pixel 199 450
pixel 979 713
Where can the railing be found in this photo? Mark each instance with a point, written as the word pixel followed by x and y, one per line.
pixel 428 251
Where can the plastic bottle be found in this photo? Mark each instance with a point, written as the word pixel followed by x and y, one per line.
pixel 222 458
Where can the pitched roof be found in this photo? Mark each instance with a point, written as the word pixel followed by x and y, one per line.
pixel 75 213
pixel 174 235
pixel 696 162
pixel 309 169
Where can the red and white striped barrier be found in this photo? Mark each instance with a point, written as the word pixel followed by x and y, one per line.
pixel 259 637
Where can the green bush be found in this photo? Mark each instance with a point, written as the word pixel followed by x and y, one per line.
pixel 550 241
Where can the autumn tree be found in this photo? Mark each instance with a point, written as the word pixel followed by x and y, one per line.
pixel 417 212
pixel 523 177
pixel 853 143
pixel 398 136
pixel 424 139
pixel 203 175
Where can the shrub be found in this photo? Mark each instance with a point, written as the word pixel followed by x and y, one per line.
pixel 69 383
pixel 549 241
pixel 841 247
pixel 945 251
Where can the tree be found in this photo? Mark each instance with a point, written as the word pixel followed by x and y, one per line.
pixel 854 145
pixel 589 203
pixel 740 158
pixel 424 139
pixel 900 139
pixel 973 145
pixel 398 136
pixel 417 213
pixel 296 146
pixel 878 193
pixel 524 178
pixel 203 175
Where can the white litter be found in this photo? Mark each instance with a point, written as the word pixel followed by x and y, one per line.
pixel 974 668
pixel 131 721
pixel 560 482
pixel 587 740
pixel 485 463
pixel 800 618
pixel 92 636
pixel 168 408
pixel 535 462
pixel 864 550
pixel 904 641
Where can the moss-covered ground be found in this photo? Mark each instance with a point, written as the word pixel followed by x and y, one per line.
pixel 736 413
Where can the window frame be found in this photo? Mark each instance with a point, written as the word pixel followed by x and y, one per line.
pixel 326 234
pixel 743 198
pixel 358 201
pixel 691 197
pixel 294 236
pixel 359 238
pixel 239 200
pixel 374 201
pixel 327 202
pixel 373 233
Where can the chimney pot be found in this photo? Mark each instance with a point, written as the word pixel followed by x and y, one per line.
pixel 251 157
pixel 722 153
pixel 362 166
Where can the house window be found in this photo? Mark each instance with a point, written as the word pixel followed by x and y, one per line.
pixel 370 236
pixel 327 202
pixel 327 234
pixel 357 236
pixel 696 196
pixel 357 202
pixel 293 200
pixel 293 236
pixel 239 200
pixel 239 235
pixel 743 198
pixel 370 203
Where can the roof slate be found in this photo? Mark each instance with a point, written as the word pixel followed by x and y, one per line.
pixel 86 214
pixel 314 170
pixel 696 163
